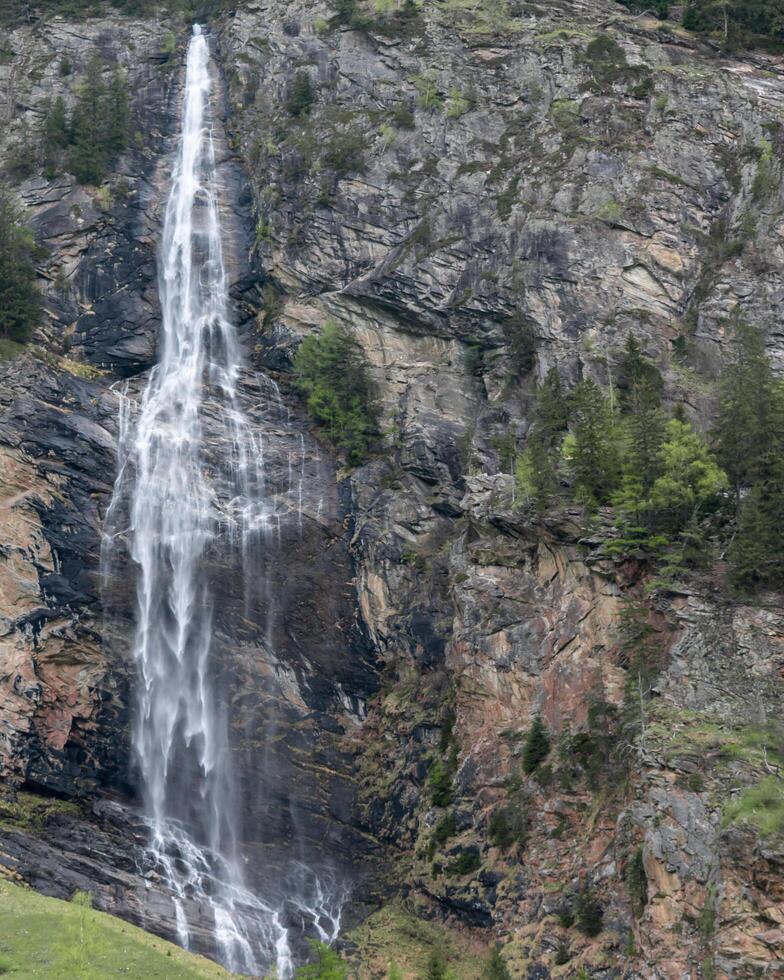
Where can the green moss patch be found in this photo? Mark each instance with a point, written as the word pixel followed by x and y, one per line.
pixel 31 813
pixel 761 805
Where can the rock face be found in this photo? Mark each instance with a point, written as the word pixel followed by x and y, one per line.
pixel 478 192
pixel 298 670
pixel 478 195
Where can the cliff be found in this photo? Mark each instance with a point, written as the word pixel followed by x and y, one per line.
pixel 478 192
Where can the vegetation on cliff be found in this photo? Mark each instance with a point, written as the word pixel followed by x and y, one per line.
pixel 88 139
pixel 331 372
pixel 669 492
pixel 20 304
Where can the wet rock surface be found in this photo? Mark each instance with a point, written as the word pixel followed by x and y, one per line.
pixel 476 200
pixel 293 662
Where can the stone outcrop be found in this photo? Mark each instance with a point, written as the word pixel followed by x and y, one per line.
pixel 479 195
pixel 296 666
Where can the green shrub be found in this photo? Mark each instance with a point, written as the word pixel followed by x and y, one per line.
pixel 331 371
pixel 537 745
pixel 440 780
pixel 637 883
pixel 607 60
pixel 565 916
pixel 588 913
pixel 495 968
pixel 706 921
pixel 344 152
pixel 300 97
pixel 443 830
pixel 403 117
pixel 508 826
pixel 466 862
pixel 428 97
pixel 761 806
pixel 436 967
pixel 327 965
pixel 20 302
pixel 20 159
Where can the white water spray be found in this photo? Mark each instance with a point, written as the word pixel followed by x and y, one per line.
pixel 188 502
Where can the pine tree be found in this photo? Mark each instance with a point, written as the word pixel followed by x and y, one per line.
pixel 116 114
pixel 536 471
pixel 537 745
pixel 56 132
pixel 593 452
pixel 749 409
pixel 587 912
pixel 330 370
pixel 757 551
pixel 87 159
pixel 645 427
pixel 636 371
pixel 496 969
pixel 99 123
pixel 436 966
pixel 301 95
pixel 20 303
pixel 552 408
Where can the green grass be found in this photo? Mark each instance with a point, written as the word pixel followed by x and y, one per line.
pixel 9 349
pixel 397 935
pixel 44 937
pixel 30 812
pixel 761 805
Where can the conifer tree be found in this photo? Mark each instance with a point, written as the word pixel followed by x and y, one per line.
pixel 593 451
pixel 536 470
pixel 301 95
pixel 757 551
pixel 552 408
pixel 436 966
pixel 588 912
pixel 331 372
pixel 637 371
pixel 116 114
pixel 645 427
pixel 55 136
pixel 496 969
pixel 87 159
pixel 749 409
pixel 20 303
pixel 537 745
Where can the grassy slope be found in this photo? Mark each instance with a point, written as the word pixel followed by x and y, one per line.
pixel 44 937
pixel 396 935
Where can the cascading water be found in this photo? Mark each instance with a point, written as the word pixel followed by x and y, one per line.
pixel 186 502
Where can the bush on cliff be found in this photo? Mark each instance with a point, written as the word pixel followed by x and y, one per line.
pixel 537 746
pixel 327 965
pixel 496 968
pixel 331 371
pixel 750 437
pixel 20 304
pixel 300 97
pixel 98 124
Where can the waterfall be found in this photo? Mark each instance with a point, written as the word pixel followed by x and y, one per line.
pixel 188 499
